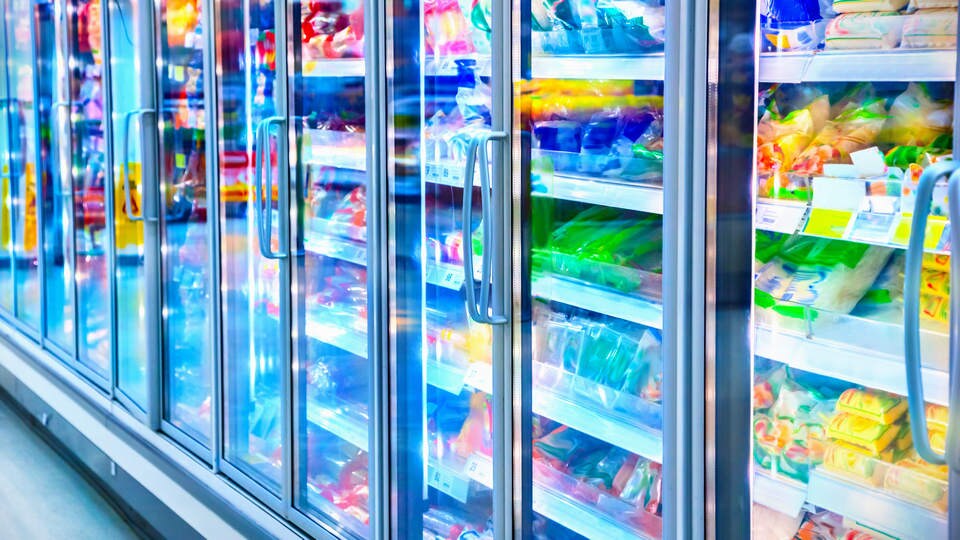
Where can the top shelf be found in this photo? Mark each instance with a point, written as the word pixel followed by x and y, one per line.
pixel 346 67
pixel 856 66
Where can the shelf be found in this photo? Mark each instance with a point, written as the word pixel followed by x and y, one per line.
pixel 337 248
pixel 596 299
pixel 641 67
pixel 345 67
pixel 455 479
pixel 335 149
pixel 347 339
pixel 874 367
pixel 447 173
pixel 857 66
pixel 616 429
pixel 453 379
pixel 780 494
pixel 873 508
pixel 879 229
pixel 629 196
pixel 446 66
pixel 578 517
pixel 336 422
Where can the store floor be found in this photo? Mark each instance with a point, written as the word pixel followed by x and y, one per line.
pixel 42 496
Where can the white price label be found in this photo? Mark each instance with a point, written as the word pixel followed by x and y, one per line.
pixel 445 480
pixel 782 218
pixel 479 376
pixel 480 469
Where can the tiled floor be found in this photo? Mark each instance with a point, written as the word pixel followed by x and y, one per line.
pixel 42 496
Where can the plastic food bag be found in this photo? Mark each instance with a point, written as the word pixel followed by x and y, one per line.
pixel 859 6
pixel 781 139
pixel 930 29
pixel 854 129
pixel 861 31
pixel 916 119
pixel 832 275
pixel 790 25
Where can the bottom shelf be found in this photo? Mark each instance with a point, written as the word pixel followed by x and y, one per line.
pixel 863 505
pixel 584 520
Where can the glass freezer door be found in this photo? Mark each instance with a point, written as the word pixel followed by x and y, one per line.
pixel 88 173
pixel 592 117
pixel 7 107
pixel 255 335
pixel 846 136
pixel 132 111
pixel 185 232
pixel 334 262
pixel 20 191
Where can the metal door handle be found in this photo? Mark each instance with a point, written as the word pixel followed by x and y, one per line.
pixel 124 152
pixel 911 307
pixel 478 147
pixel 264 213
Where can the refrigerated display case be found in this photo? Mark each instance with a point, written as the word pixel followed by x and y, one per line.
pixel 185 232
pixel 852 107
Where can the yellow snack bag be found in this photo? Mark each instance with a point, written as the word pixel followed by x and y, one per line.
pixel 881 407
pixel 867 434
pixel 936 261
pixel 937 416
pixel 855 462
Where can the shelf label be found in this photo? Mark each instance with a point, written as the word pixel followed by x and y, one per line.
pixel 827 222
pixel 872 228
pixel 782 218
pixel 448 481
pixel 479 376
pixel 935 230
pixel 445 275
pixel 445 173
pixel 480 469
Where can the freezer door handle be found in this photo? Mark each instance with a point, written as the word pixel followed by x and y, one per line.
pixel 124 154
pixel 911 309
pixel 264 206
pixel 952 446
pixel 488 193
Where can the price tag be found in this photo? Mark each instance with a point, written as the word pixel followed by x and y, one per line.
pixel 479 376
pixel 828 222
pixel 180 161
pixel 872 228
pixel 782 218
pixel 447 481
pixel 480 469
pixel 935 229
pixel 179 74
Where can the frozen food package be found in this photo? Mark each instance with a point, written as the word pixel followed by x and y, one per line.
pixel 855 462
pixel 860 31
pixel 859 6
pixel 781 139
pixel 861 432
pixel 832 275
pixel 854 129
pixel 820 526
pixel 914 5
pixel 911 480
pixel 790 25
pixel 937 416
pixel 930 29
pixel 916 119
pixel 881 407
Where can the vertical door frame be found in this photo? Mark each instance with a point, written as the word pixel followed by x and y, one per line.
pixel 106 83
pixel 728 285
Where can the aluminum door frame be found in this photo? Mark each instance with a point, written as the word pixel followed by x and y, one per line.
pixel 5 102
pixel 729 241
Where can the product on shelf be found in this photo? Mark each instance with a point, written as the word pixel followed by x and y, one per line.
pixel 794 273
pixel 479 14
pixel 595 27
pixel 854 129
pixel 447 524
pixel 872 30
pixel 182 19
pixel 607 247
pixel 596 128
pixel 337 471
pixel 331 30
pixel 930 29
pixel 790 25
pixel 447 30
pixel 781 138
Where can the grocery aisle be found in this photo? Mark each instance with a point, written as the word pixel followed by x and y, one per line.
pixel 42 496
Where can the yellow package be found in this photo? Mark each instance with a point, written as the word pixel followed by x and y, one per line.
pixel 881 407
pixel 859 431
pixel 937 416
pixel 936 261
pixel 938 440
pixel 934 282
pixel 934 308
pixel 855 462
pixel 915 480
pixel 904 440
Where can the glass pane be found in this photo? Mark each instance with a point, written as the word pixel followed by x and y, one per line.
pixel 185 240
pixel 252 336
pixel 457 415
pixel 126 72
pixel 89 181
pixel 23 183
pixel 56 194
pixel 333 393
pixel 593 112
pixel 832 442
pixel 6 157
